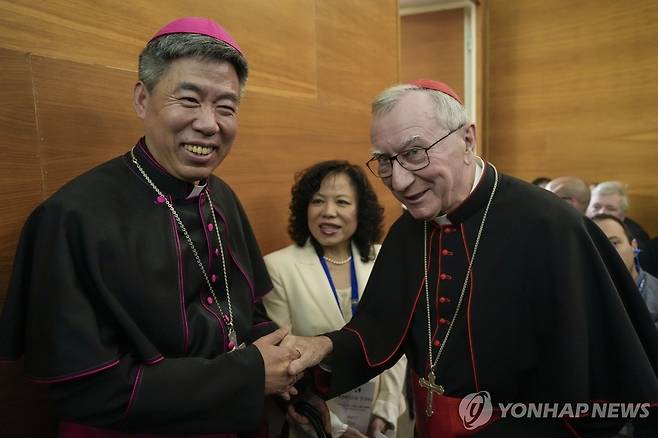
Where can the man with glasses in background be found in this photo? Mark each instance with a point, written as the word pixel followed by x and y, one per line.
pixel 494 289
pixel 610 197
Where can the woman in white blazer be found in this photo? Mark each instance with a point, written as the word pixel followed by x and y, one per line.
pixel 335 222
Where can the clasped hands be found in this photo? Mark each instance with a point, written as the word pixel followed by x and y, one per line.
pixel 286 356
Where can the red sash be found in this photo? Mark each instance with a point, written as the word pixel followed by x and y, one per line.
pixel 446 421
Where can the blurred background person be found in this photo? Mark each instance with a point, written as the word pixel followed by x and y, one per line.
pixel 620 237
pixel 610 197
pixel 541 181
pixel 335 222
pixel 649 257
pixel 571 189
pixel 626 246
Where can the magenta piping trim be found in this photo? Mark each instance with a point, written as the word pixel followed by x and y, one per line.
pixel 228 247
pixel 220 321
pixel 159 358
pixel 77 375
pixel 133 393
pixel 205 232
pixel 147 154
pixel 181 282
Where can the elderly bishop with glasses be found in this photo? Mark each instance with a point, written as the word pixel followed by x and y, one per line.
pixel 494 289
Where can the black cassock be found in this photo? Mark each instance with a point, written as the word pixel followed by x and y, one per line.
pixel 109 306
pixel 550 313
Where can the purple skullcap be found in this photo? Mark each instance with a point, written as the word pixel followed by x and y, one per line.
pixel 201 26
pixel 438 86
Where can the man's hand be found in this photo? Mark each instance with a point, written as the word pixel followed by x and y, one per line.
pixel 310 351
pixel 277 360
pixel 315 401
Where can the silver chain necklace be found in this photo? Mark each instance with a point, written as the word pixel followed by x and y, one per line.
pixel 429 383
pixel 228 319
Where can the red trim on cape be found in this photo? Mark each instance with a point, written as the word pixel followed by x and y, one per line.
pixel 469 329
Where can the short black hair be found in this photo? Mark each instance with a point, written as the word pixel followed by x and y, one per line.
pixel 604 216
pixel 370 214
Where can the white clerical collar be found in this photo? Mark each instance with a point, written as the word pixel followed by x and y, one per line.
pixel 196 191
pixel 479 170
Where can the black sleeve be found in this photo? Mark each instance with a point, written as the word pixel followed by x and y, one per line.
pixel 184 395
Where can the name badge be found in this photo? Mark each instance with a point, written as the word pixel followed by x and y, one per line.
pixel 355 407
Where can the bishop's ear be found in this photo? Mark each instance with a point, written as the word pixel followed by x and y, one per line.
pixel 140 99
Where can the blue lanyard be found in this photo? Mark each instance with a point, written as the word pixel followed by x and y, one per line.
pixel 355 287
pixel 641 280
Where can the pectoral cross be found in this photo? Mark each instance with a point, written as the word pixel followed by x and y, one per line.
pixel 430 385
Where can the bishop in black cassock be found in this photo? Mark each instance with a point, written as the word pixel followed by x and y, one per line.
pixel 135 285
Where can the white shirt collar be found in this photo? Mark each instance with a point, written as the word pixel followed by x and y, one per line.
pixel 479 170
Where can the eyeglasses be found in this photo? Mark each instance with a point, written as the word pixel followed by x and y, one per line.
pixel 415 158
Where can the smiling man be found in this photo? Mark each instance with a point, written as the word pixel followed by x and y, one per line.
pixel 136 291
pixel 488 285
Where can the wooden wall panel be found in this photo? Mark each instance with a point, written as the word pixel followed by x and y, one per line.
pixel 67 69
pixel 432 46
pixel 20 191
pixel 275 36
pixel 20 171
pixel 572 91
pixel 85 117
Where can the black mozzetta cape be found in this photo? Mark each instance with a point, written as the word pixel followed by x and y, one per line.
pixel 550 313
pixel 108 305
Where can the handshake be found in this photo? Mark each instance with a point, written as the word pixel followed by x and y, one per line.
pixel 286 356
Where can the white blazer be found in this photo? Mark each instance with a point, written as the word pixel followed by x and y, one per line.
pixel 303 300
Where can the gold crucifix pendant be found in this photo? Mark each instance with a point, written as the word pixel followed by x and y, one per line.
pixel 430 385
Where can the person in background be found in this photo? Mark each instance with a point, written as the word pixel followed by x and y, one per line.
pixel 649 257
pixel 335 222
pixel 136 288
pixel 493 288
pixel 626 246
pixel 571 189
pixel 541 181
pixel 647 285
pixel 610 197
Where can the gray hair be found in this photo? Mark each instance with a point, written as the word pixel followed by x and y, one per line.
pixel 158 55
pixel 450 113
pixel 607 188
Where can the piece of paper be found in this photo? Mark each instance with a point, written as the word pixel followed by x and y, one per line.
pixel 355 407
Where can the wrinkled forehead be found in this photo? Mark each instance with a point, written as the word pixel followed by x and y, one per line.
pixel 411 121
pixel 612 200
